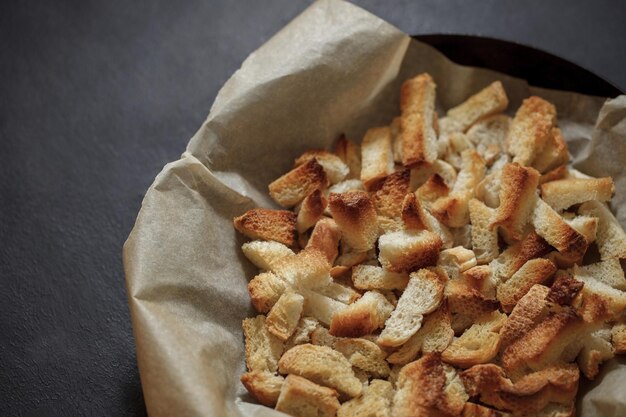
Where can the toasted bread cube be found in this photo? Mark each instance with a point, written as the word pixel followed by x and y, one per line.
pixel 369 277
pixel 433 189
pixel 350 154
pixel 456 261
pixel 516 255
pixel 564 289
pixel 600 301
pixel 421 296
pixel 556 174
pixel 285 314
pixel 266 224
pixel 421 173
pixel 596 349
pixel 309 268
pixel 415 217
pixel 481 279
pixel 264 386
pixel 389 197
pixel 478 344
pixel 376 156
pixel 428 387
pixel 466 300
pixel 335 168
pixel 417 106
pixel 530 309
pixel 303 398
pixel 562 194
pixel 321 307
pixel 488 101
pixel 406 251
pixel 453 210
pixel 530 129
pixel 311 210
pixel 294 186
pixel 323 366
pixel 302 333
pixel 610 237
pixel 535 271
pixel 364 355
pixel 553 154
pixel 553 386
pixel 549 225
pixel 484 239
pixel 345 186
pixel 517 200
pixel 265 289
pixel 434 336
pixel 265 254
pixel 339 292
pixel 362 317
pixel 375 401
pixel 586 226
pixel 355 214
pixel 609 272
pixel 325 238
pixel 263 349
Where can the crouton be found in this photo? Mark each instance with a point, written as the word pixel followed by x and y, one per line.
pixel 309 268
pixel 562 194
pixel 325 239
pixel 364 355
pixel 535 271
pixel 303 398
pixel 553 154
pixel 415 217
pixel 599 301
pixel 362 317
pixel 530 309
pixel 265 289
pixel 463 298
pixel 488 190
pixel 342 293
pixel 389 225
pixel 530 129
pixel 264 386
pixel 336 170
pixel 434 336
pixel 453 210
pixel 417 106
pixel 564 289
pixel 323 366
pixel 421 296
pixel 478 344
pixel 557 173
pixel 484 239
pixel 596 349
pixel 355 214
pixel 266 224
pixel 489 135
pixel 609 272
pixel 422 172
pixel 516 255
pixel 376 156
pixel 428 387
pixel 610 237
pixel 517 200
pixel 556 384
pixel 481 279
pixel 389 197
pixel 345 186
pixel 488 101
pixel 369 277
pixel 434 188
pixel 302 333
pixel 586 226
pixel 265 254
pixel 350 154
pixel 311 210
pixel 285 314
pixel 550 226
pixel 407 251
pixel 456 260
pixel 294 186
pixel 321 307
pixel 263 349
pixel 375 401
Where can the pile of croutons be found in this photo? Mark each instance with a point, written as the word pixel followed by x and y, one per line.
pixel 451 266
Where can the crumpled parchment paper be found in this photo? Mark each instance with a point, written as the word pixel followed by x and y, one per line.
pixel 334 69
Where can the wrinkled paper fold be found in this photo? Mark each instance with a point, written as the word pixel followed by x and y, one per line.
pixel 334 69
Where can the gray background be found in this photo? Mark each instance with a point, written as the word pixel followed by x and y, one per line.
pixel 95 97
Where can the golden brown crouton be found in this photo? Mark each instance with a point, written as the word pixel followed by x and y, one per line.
pixel 428 387
pixel 556 384
pixel 355 214
pixel 556 174
pixel 323 366
pixel 325 238
pixel 564 289
pixel 309 268
pixel 375 401
pixel 294 186
pixel 610 237
pixel 530 129
pixel 321 307
pixel 465 299
pixel 535 271
pixel 369 277
pixel 417 104
pixel 350 154
pixel 516 255
pixel 265 254
pixel 517 199
pixel 389 197
pixel 530 309
pixel 488 101
pixel 264 386
pixel 263 349
pixel 415 217
pixel 562 194
pixel 265 289
pixel 433 189
pixel 285 314
pixel 362 317
pixel 484 239
pixel 553 154
pixel 364 355
pixel 266 224
pixel 303 398
pixel 407 251
pixel 311 210
pixel 376 156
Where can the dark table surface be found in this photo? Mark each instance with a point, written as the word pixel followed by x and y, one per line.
pixel 95 97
